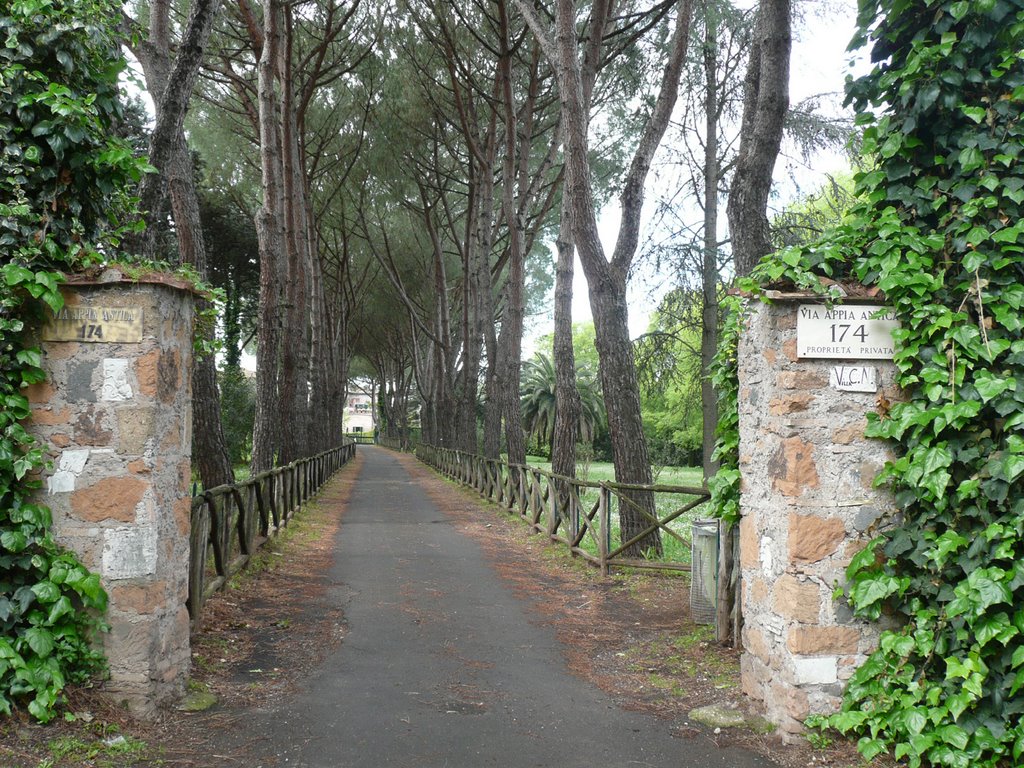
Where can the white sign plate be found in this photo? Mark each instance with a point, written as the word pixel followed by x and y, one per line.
pixel 854 378
pixel 845 332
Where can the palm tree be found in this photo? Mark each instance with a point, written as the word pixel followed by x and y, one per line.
pixel 538 401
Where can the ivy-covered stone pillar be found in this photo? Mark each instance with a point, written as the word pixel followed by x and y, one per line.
pixel 116 413
pixel 807 498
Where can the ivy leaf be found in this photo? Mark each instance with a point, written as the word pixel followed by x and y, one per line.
pixel 958 703
pixel 1013 467
pixel 1018 657
pixel 866 558
pixel 977 114
pixel 870 748
pixel 40 640
pixel 996 627
pixel 46 591
pixel 870 591
pixel 62 607
pixel 989 385
pixel 13 541
pixel 848 720
pixel 15 275
pixel 916 721
pixel 945 545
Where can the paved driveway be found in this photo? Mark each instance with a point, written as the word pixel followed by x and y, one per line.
pixel 441 665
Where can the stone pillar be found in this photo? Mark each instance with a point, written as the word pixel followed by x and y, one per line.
pixel 116 413
pixel 807 507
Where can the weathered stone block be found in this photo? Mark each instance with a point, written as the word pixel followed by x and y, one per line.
pixel 850 433
pixel 821 641
pixel 869 472
pixel 792 468
pixel 755 643
pixel 781 406
pixel 138 598
pixel 789 350
pixel 748 542
pixel 81 386
pixel 43 392
pixel 168 376
pixel 792 701
pixel 758 591
pixel 115 498
pixel 750 679
pixel 90 428
pixel 798 600
pixel 135 428
pixel 183 514
pixel 146 373
pixel 866 517
pixel 47 417
pixel 139 467
pixel 801 380
pixel 812 538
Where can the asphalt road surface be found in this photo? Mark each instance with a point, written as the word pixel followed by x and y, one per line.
pixel 442 666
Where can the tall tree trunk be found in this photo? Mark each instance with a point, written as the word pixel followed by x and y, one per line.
pixel 567 396
pixel 568 409
pixel 492 413
pixel 271 236
pixel 172 82
pixel 511 339
pixel 709 268
pixel 294 372
pixel 765 102
pixel 607 278
pixel 625 423
pixel 211 457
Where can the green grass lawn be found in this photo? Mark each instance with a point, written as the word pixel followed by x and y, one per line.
pixel 675 551
pixel 603 471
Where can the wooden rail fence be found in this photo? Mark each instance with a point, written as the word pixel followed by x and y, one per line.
pixel 579 514
pixel 396 443
pixel 231 522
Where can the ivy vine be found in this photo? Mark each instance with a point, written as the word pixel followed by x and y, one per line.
pixel 940 230
pixel 64 183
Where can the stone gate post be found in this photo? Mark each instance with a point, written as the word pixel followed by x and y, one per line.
pixel 808 503
pixel 116 413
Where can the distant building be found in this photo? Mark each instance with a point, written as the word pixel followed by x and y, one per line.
pixel 358 416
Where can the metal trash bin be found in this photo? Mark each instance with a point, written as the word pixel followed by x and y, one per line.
pixel 704 571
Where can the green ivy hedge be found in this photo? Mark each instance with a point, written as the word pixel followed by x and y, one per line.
pixel 940 230
pixel 64 182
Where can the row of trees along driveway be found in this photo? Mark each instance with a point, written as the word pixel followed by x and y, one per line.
pixel 406 166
